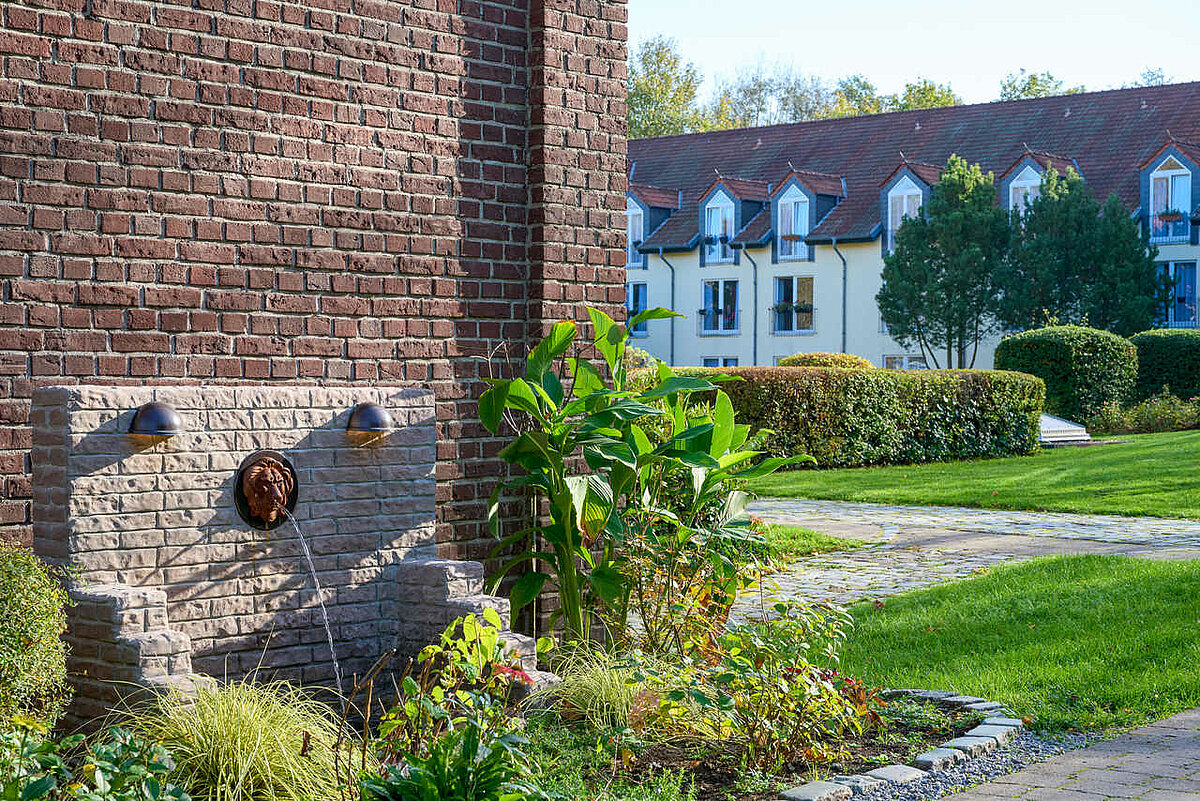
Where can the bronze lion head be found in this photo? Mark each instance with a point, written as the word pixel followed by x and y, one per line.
pixel 267 484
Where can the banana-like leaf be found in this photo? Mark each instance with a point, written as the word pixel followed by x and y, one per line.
pixel 658 313
pixel 542 357
pixel 607 582
pixel 587 378
pixel 676 384
pixel 491 405
pixel 526 588
pixel 722 425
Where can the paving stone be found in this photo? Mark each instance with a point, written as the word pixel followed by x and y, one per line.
pixel 859 782
pixel 939 758
pixel 972 746
pixel 818 791
pixel 896 774
pixel 984 706
pixel 1016 723
pixel 1001 734
pixel 934 695
pixel 960 700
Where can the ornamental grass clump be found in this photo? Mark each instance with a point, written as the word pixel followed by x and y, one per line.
pixel 241 741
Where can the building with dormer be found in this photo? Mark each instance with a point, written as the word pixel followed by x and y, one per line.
pixel 771 240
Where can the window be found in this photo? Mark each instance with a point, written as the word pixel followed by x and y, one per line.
pixel 1180 311
pixel 1024 189
pixel 718 361
pixel 793 225
pixel 793 309
pixel 718 222
pixel 720 312
pixel 1170 202
pixel 635 301
pixel 905 362
pixel 904 200
pixel 634 227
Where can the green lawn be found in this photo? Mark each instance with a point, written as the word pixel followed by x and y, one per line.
pixel 1084 642
pixel 789 543
pixel 1150 474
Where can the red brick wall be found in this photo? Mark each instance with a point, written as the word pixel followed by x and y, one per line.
pixel 325 190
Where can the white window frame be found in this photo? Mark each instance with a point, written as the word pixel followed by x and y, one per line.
pixel 631 305
pixel 905 361
pixel 719 321
pixel 719 361
pixel 718 221
pixel 1029 184
pixel 905 188
pixel 1178 184
pixel 794 316
pixel 635 222
pixel 793 207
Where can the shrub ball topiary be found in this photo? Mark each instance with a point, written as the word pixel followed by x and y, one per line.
pixel 847 360
pixel 33 656
pixel 1084 368
pixel 1168 357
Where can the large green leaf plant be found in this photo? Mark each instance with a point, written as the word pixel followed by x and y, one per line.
pixel 585 447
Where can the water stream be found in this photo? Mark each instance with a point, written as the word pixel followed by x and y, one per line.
pixel 337 670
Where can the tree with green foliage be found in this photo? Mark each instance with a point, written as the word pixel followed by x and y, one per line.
pixel 1075 264
pixel 854 97
pixel 767 95
pixel 1024 85
pixel 663 91
pixel 939 289
pixel 923 93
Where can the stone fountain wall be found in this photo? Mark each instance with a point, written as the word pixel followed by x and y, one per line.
pixel 168 580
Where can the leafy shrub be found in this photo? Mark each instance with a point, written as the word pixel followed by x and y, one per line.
pixel 1084 368
pixel 1163 412
pixel 467 675
pixel 465 764
pixel 846 418
pixel 846 360
pixel 763 686
pixel 120 768
pixel 240 741
pixel 33 667
pixel 1168 358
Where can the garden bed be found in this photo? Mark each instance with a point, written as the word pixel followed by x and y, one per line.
pixel 716 771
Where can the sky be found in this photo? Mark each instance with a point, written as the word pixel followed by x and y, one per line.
pixel 970 44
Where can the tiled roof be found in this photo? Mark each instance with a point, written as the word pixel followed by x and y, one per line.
pixel 757 231
pixel 822 183
pixel 656 196
pixel 1109 134
pixel 1186 148
pixel 1047 161
pixel 741 188
pixel 681 231
pixel 930 174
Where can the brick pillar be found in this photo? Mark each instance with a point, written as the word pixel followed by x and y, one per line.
pixel 577 159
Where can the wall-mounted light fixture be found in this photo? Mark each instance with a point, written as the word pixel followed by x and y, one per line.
pixel 368 421
pixel 155 421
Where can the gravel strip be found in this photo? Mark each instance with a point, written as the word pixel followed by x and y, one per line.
pixel 1024 750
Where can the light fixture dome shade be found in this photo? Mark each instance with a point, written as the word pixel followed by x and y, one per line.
pixel 156 419
pixel 369 417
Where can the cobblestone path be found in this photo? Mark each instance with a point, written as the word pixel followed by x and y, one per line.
pixel 1159 762
pixel 913 547
pixel 918 546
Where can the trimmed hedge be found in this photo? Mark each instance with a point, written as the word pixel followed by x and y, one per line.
pixel 1168 358
pixel 1085 369
pixel 848 418
pixel 33 656
pixel 817 359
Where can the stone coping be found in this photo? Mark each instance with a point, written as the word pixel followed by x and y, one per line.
pixel 996 730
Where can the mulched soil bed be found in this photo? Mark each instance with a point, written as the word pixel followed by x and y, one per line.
pixel 715 768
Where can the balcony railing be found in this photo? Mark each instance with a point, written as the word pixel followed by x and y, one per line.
pixel 715 323
pixel 793 323
pixel 1170 231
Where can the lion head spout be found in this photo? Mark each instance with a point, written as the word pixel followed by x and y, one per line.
pixel 267 484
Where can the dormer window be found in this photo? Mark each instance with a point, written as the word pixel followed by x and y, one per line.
pixel 718 224
pixel 793 225
pixel 904 200
pixel 634 228
pixel 1170 202
pixel 1024 189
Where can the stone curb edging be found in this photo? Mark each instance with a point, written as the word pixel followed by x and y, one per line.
pixel 994 732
